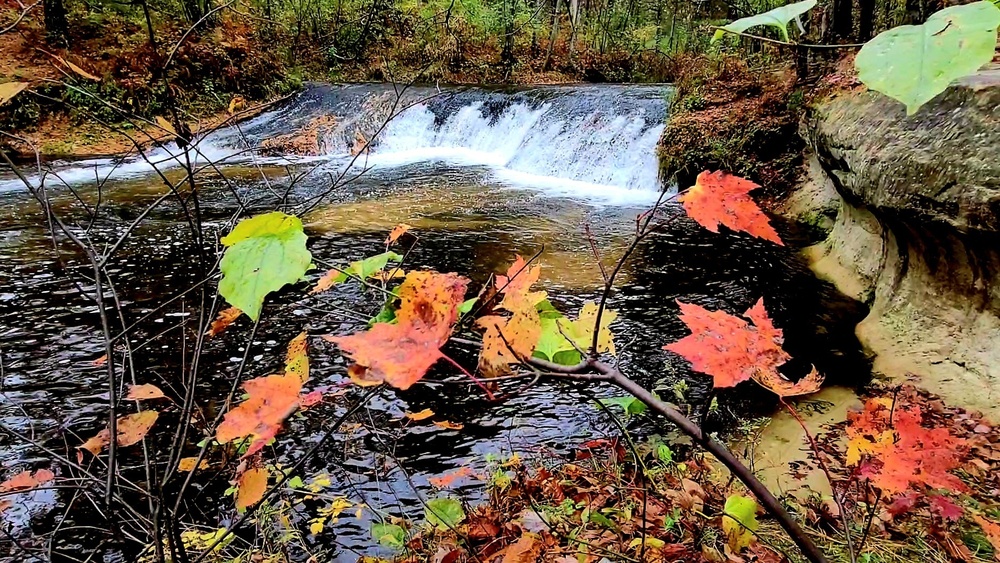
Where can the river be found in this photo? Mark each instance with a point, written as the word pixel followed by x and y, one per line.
pixel 481 175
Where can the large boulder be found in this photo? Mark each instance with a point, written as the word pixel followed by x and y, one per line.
pixel 916 236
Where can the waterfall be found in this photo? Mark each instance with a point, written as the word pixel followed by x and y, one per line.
pixel 578 141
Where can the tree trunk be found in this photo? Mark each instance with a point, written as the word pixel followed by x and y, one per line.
pixel 574 22
pixel 552 36
pixel 55 22
pixel 843 19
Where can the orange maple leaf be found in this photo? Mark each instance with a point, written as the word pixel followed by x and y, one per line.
pixel 508 340
pixel 730 349
pixel 131 429
pixel 901 454
pixel 225 318
pixel 400 354
pixel 719 198
pixel 449 478
pixel 26 480
pixel 515 286
pixel 270 401
pixel 396 232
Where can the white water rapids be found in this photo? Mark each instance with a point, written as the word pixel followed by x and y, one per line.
pixel 595 143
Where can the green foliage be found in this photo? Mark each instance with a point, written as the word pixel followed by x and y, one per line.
pixel 629 404
pixel 444 513
pixel 915 63
pixel 739 521
pixel 265 253
pixel 778 18
pixel 364 269
pixel 389 535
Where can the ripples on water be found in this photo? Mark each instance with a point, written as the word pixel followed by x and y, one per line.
pixel 469 220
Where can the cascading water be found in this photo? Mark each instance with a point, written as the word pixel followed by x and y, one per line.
pixel 588 142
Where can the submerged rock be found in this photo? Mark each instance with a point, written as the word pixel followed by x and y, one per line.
pixel 917 230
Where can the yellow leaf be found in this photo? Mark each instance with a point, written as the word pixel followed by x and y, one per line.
pixel 418 416
pixel 186 464
pixel 297 359
pixel 582 329
pixel 79 71
pixel 166 126
pixel 10 89
pixel 397 232
pixel 316 527
pixel 251 487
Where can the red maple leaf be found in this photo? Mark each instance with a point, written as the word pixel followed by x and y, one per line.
pixel 900 454
pixel 729 348
pixel 400 354
pixel 719 198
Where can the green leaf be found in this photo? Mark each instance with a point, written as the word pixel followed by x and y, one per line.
pixel 445 513
pixel 629 404
pixel 265 253
pixel 389 535
pixel 467 306
pixel 664 453
pixel 551 343
pixel 295 483
pixel 602 520
pixel 547 310
pixel 914 63
pixel 778 18
pixel 366 268
pixel 739 521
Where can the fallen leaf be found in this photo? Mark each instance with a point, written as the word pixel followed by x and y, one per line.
pixel 311 398
pixel 165 125
pixel 26 480
pixel 143 392
pixel 79 71
pixel 101 361
pixel 186 464
pixel 992 532
pixel 719 198
pixel 251 487
pixel 396 232
pixel 418 416
pixel 526 549
pixel 225 318
pixel 131 429
pixel 449 425
pixel 10 89
pixel 449 478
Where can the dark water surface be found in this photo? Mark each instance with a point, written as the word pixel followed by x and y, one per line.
pixel 469 220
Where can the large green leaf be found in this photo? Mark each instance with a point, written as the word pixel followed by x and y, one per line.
pixel 778 18
pixel 914 63
pixel 739 521
pixel 444 513
pixel 265 253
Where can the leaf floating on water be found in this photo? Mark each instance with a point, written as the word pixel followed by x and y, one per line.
pixel 225 318
pixel 311 398
pixel 251 487
pixel 27 480
pixel 400 354
pixel 264 253
pixel 449 425
pixel 396 232
pixel 728 348
pixel 100 361
pixel 421 415
pixel 448 479
pixel 144 391
pixel 132 428
pixel 719 198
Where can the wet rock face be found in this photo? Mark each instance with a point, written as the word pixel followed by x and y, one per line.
pixel 940 165
pixel 917 236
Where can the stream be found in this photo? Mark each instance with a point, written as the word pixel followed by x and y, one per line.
pixel 481 174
